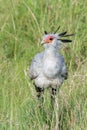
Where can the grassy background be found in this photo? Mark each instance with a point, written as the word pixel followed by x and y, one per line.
pixel 22 23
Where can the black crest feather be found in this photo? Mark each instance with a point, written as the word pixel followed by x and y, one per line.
pixel 45 32
pixel 57 29
pixel 65 40
pixel 63 33
pixel 68 35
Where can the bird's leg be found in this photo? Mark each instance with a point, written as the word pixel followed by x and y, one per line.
pixel 53 94
pixel 40 92
pixel 55 107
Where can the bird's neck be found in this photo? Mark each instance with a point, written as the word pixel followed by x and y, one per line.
pixel 51 51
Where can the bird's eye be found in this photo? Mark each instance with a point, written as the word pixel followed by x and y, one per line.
pixel 51 38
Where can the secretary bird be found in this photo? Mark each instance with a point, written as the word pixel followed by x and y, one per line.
pixel 48 67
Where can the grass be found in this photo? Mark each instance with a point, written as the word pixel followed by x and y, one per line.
pixel 22 24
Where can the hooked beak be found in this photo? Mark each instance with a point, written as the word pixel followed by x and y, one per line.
pixel 42 42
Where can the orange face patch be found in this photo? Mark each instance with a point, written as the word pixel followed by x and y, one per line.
pixel 49 39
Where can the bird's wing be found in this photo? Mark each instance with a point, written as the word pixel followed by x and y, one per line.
pixel 36 66
pixel 64 72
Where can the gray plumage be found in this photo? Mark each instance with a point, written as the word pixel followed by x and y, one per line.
pixel 48 68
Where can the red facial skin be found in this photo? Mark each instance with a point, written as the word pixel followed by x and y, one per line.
pixel 49 39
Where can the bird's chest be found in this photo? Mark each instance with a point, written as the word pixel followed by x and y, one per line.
pixel 51 67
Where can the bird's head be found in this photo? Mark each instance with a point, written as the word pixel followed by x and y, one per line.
pixel 54 39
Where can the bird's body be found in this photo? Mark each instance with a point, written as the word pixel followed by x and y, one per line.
pixel 48 68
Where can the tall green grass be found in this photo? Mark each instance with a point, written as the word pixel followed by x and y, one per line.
pixel 22 24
